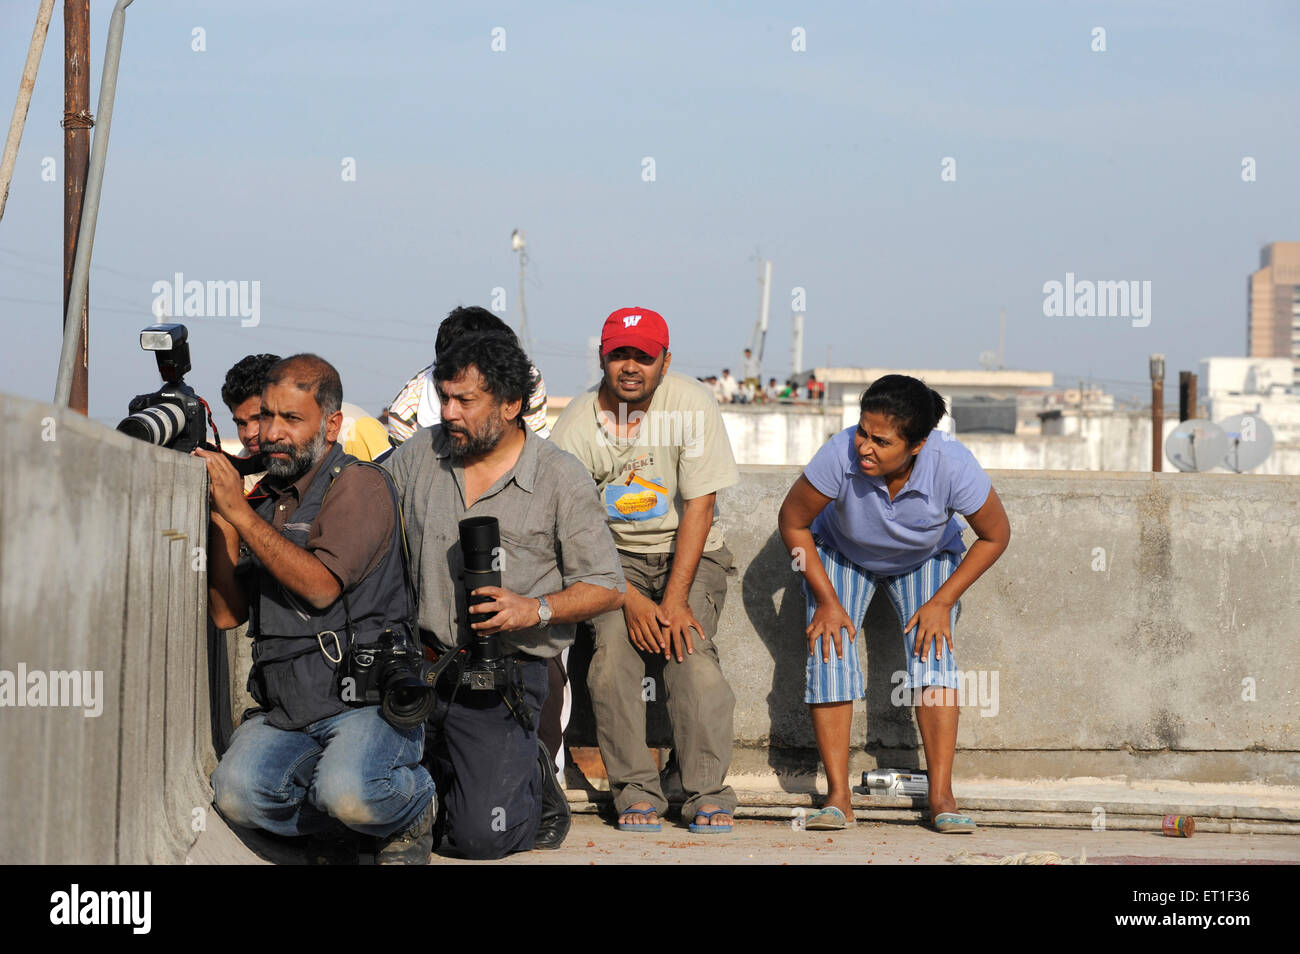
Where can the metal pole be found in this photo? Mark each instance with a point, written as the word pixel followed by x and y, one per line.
pixel 1186 395
pixel 25 87
pixel 76 158
pixel 796 347
pixel 90 210
pixel 1157 365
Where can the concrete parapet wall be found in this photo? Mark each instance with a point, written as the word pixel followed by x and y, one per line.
pixel 1125 631
pixel 97 574
pixel 766 433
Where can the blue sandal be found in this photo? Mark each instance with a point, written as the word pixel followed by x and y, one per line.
pixel 949 822
pixel 829 818
pixel 708 828
pixel 639 826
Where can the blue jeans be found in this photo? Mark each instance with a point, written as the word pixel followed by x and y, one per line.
pixel 352 769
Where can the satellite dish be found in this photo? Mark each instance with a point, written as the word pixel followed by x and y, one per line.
pixel 1250 441
pixel 1196 445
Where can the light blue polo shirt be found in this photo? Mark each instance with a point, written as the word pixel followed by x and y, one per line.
pixel 895 537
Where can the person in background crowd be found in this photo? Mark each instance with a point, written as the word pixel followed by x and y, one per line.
pixel 729 386
pixel 750 374
pixel 772 391
pixel 416 404
pixel 816 390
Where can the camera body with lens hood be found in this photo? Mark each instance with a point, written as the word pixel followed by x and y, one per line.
pixel 391 673
pixel 171 417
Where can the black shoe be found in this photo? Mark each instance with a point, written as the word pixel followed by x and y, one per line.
pixel 342 848
pixel 554 825
pixel 412 846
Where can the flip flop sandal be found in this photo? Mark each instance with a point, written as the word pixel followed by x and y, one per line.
pixel 828 819
pixel 639 826
pixel 708 828
pixel 949 823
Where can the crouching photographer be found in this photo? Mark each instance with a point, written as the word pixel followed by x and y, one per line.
pixel 314 558
pixel 509 549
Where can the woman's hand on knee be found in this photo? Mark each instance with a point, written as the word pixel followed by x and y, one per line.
pixel 828 623
pixel 933 621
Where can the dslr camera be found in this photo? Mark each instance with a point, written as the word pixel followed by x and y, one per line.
pixel 393 674
pixel 173 416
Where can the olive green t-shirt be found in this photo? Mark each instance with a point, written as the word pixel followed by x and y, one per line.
pixel 680 451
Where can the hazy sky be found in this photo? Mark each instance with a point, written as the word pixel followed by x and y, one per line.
pixel 227 165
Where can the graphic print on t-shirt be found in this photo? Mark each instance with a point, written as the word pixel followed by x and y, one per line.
pixel 633 497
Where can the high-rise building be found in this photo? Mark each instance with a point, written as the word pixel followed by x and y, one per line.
pixel 1273 328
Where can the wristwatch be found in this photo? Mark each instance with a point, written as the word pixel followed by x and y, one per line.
pixel 543 612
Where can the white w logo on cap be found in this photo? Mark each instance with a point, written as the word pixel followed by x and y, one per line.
pixel 630 320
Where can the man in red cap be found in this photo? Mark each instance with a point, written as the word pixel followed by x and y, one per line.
pixel 655 445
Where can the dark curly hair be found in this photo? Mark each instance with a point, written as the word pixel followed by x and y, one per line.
pixel 502 364
pixel 247 379
pixel 915 408
pixel 469 320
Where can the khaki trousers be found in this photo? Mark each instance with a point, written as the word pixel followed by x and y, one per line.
pixel 700 703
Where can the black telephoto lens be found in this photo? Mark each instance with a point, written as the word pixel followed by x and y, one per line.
pixel 480 542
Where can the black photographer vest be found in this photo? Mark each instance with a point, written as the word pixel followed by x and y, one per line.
pixel 297 648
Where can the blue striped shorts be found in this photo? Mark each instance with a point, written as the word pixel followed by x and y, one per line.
pixel 840 680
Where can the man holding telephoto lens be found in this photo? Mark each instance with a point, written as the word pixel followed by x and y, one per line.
pixel 313 558
pixel 486 500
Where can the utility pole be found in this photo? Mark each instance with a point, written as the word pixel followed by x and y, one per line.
pixel 25 87
pixel 759 339
pixel 796 347
pixel 76 162
pixel 518 244
pixel 1157 365
pixel 1186 395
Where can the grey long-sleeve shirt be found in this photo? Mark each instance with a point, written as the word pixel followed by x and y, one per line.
pixel 553 533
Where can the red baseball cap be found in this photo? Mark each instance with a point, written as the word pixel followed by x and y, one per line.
pixel 634 328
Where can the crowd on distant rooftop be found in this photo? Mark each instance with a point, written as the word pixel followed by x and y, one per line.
pixel 749 389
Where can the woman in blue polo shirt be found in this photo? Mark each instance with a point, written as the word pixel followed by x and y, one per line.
pixel 877 504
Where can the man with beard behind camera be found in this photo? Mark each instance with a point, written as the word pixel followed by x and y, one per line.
pixel 557 565
pixel 323 549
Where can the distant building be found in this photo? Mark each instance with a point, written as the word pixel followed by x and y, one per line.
pixel 1273 324
pixel 1259 386
pixel 979 401
pixel 1032 403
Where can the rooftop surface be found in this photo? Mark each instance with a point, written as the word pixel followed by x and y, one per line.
pixel 1039 822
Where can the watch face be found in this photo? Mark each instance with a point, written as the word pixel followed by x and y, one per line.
pixel 543 611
